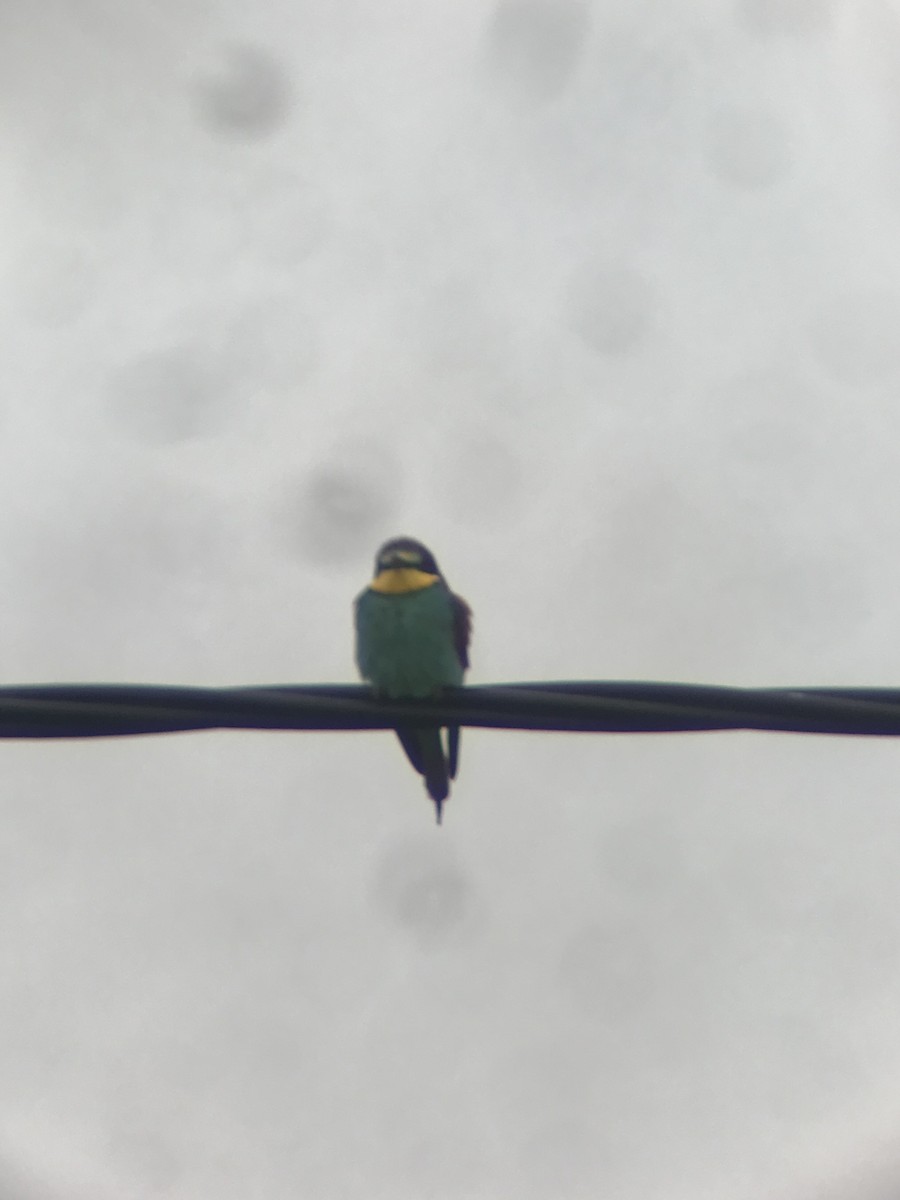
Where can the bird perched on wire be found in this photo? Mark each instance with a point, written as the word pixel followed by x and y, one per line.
pixel 412 641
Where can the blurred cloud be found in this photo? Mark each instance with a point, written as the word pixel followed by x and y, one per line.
pixel 249 96
pixel 612 307
pixel 335 514
pixel 535 45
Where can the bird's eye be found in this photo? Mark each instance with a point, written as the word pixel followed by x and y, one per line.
pixel 396 558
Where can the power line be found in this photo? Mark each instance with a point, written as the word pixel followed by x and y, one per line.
pixel 120 710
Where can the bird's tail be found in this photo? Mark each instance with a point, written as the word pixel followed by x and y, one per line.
pixel 453 750
pixel 425 751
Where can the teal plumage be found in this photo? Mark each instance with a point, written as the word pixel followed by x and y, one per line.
pixel 412 636
pixel 405 642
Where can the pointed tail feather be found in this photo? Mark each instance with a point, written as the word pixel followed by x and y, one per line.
pixel 437 781
pixel 409 740
pixel 452 750
pixel 425 750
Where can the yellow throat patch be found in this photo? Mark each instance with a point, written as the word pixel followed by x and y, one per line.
pixel 398 580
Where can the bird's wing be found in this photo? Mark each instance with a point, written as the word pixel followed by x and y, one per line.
pixel 462 629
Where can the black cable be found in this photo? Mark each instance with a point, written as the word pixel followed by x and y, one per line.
pixel 118 710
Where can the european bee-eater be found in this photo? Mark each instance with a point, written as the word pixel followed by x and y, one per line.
pixel 412 641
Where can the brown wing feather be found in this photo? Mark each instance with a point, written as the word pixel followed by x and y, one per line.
pixel 462 629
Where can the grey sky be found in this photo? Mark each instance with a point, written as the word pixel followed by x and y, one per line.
pixel 599 299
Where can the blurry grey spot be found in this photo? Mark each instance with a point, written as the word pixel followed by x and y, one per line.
pixel 250 95
pixel 611 971
pixel 53 283
pixel 282 216
pixel 611 307
pixel 169 396
pixel 483 479
pixel 857 338
pixel 534 45
pixel 338 513
pixel 748 148
pixel 797 17
pixel 420 888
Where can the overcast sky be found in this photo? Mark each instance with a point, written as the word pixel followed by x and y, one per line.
pixel 601 300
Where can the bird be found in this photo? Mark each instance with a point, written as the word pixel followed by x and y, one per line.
pixel 412 642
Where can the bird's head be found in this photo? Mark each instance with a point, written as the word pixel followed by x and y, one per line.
pixel 404 565
pixel 404 552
